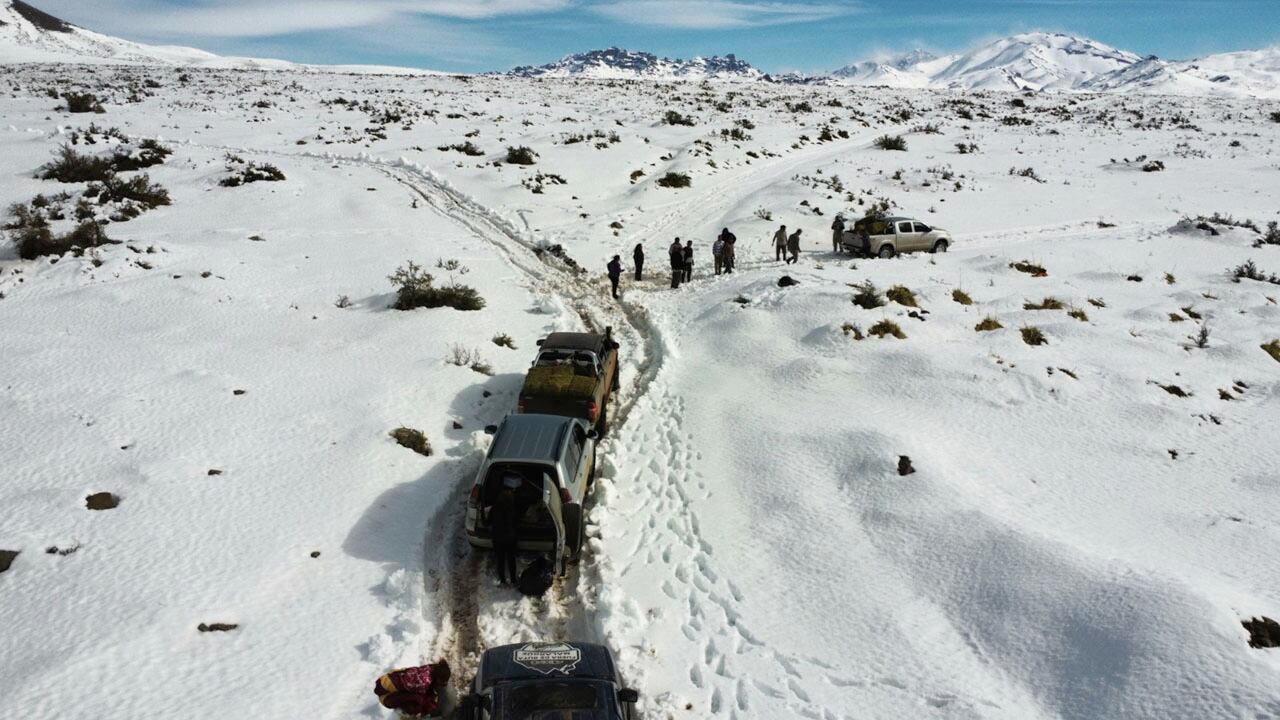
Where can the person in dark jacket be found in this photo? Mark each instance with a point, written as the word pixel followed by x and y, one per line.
pixel 837 232
pixel 502 520
pixel 726 238
pixel 729 255
pixel 615 274
pixel 676 253
pixel 688 261
pixel 637 256
pixel 793 247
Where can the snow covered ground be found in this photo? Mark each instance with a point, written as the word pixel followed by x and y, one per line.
pixel 1087 524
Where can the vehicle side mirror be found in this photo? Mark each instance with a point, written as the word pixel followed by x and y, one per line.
pixel 490 429
pixel 614 345
pixel 539 342
pixel 593 434
pixel 628 696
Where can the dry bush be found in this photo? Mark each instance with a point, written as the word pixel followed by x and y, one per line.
pixel 901 295
pixel 412 439
pixel 674 180
pixel 887 327
pixel 961 297
pixel 891 142
pixel 1078 314
pixel 521 156
pixel 1273 349
pixel 868 296
pixel 415 288
pixel 988 324
pixel 1031 335
pixel 1030 268
pixel 1049 303
pixel 504 340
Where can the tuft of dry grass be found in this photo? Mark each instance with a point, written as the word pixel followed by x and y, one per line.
pixel 1273 349
pixel 1078 314
pixel 988 324
pixel 412 439
pixel 1031 335
pixel 961 297
pixel 901 295
pixel 1030 268
pixel 1097 302
pixel 887 327
pixel 1049 303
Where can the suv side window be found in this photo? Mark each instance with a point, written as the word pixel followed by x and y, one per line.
pixel 904 227
pixel 920 227
pixel 573 453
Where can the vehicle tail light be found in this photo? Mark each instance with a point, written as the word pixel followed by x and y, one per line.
pixel 520 404
pixel 475 495
pixel 593 410
pixel 565 497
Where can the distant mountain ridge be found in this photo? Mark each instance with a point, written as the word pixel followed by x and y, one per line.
pixel 617 63
pixel 1034 61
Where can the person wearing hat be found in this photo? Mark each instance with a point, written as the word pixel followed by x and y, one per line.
pixel 615 274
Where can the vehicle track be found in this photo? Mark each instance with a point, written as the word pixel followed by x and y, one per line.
pixel 472 613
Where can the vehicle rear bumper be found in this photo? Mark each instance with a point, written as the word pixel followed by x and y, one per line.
pixel 486 543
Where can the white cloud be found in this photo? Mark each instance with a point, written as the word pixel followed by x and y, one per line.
pixel 718 14
pixel 266 18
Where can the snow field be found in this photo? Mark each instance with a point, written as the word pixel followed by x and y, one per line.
pixel 753 551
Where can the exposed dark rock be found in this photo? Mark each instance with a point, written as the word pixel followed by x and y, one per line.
pixel 787 281
pixel 217 627
pixel 41 19
pixel 904 465
pixel 1263 632
pixel 7 558
pixel 101 501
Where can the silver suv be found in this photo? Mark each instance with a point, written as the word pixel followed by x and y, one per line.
pixel 886 237
pixel 550 463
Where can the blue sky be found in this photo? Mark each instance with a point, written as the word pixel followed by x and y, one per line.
pixel 774 35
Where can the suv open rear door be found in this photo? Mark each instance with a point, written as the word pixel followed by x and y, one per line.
pixel 551 499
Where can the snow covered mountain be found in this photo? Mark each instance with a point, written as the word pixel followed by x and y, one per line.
pixel 626 64
pixel 1250 72
pixel 912 69
pixel 30 35
pixel 1058 62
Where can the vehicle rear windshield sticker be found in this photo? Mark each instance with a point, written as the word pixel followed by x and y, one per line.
pixel 548 659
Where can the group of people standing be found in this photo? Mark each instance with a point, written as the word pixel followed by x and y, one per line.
pixel 723 253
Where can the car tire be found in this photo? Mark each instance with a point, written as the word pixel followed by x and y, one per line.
pixel 614 387
pixel 886 251
pixel 571 513
pixel 591 474
pixel 602 425
pixel 940 246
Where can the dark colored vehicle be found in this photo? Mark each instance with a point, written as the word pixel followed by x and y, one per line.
pixel 548 681
pixel 573 375
pixel 549 463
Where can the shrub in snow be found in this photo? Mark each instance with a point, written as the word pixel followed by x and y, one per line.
pixel 801 107
pixel 674 118
pixel 148 153
pixel 73 167
pixel 521 156
pixel 1049 303
pixel 1273 349
pixel 674 180
pixel 504 340
pixel 1153 166
pixel 887 327
pixel 415 288
pixel 1078 314
pixel 891 142
pixel 412 439
pixel 1275 116
pixel 462 357
pixel 138 189
pixel 1026 173
pixel 466 148
pixel 1248 270
pixel 850 329
pixel 1031 335
pixel 988 324
pixel 868 296
pixel 762 214
pixel 901 295
pixel 83 103
pixel 6 559
pixel 961 297
pixel 244 173
pixel 30 232
pixel 1029 268
pixel 1272 236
